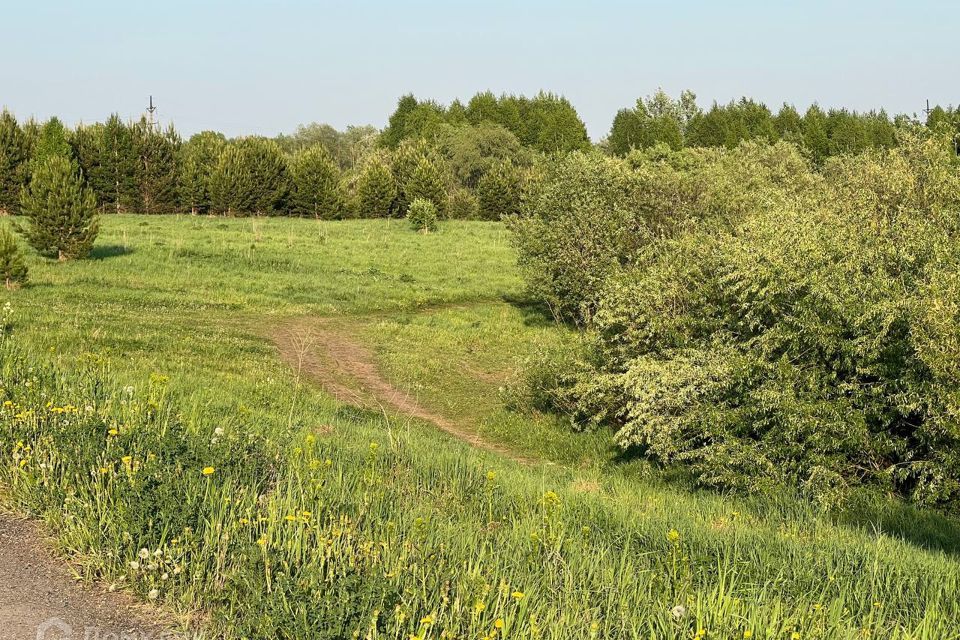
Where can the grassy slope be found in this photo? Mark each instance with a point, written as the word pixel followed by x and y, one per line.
pixel 191 298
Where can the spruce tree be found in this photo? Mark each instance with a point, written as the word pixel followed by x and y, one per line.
pixel 498 192
pixel 13 270
pixel 427 183
pixel 316 184
pixel 376 190
pixel 61 209
pixel 13 162
pixel 52 142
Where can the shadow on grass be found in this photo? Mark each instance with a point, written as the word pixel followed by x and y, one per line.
pixel 924 528
pixel 535 313
pixel 104 251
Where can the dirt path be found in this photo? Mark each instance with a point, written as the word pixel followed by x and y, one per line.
pixel 39 599
pixel 322 351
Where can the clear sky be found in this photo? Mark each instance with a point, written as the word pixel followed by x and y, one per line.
pixel 264 67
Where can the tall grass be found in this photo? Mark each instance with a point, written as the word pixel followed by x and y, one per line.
pixel 222 488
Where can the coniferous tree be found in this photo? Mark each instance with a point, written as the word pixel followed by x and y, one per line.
pixel 61 209
pixel 498 192
pixel 13 162
pixel 52 142
pixel 115 177
pixel 197 162
pixel 85 147
pixel 316 184
pixel 13 270
pixel 231 183
pixel 156 172
pixel 376 190
pixel 271 176
pixel 815 137
pixel 427 183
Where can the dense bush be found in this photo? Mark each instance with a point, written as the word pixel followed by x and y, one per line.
pixel 61 210
pixel 811 342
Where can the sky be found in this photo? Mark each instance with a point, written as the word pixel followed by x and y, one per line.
pixel 244 67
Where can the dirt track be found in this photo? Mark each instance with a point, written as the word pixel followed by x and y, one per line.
pixel 320 350
pixel 39 599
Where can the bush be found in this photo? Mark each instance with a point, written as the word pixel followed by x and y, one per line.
pixel 376 190
pixel 462 205
pixel 422 215
pixel 813 344
pixel 579 224
pixel 13 269
pixel 61 210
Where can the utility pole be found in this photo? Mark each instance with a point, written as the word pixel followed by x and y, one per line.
pixel 151 122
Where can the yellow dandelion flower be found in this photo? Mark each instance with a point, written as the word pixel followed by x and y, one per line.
pixel 517 595
pixel 426 620
pixel 795 635
pixel 673 535
pixel 748 634
pixel 113 432
pixel 498 623
pixel 491 476
pixel 208 471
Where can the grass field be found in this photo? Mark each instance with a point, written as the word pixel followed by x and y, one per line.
pixel 129 374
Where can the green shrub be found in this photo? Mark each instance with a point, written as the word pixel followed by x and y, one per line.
pixel 813 344
pixel 422 215
pixel 13 269
pixel 61 210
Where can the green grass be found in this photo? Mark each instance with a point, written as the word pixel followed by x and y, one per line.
pixel 129 373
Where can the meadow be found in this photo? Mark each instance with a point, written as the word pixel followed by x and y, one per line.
pixel 151 423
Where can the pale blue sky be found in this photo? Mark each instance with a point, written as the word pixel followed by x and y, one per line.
pixel 263 67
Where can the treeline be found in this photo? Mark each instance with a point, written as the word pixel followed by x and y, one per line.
pixel 679 123
pixel 464 170
pixel 469 160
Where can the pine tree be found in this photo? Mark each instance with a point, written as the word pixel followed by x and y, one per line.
pixel 316 183
pixel 156 172
pixel 13 270
pixel 85 147
pixel 270 175
pixel 52 142
pixel 115 178
pixel 62 211
pixel 426 183
pixel 404 162
pixel 231 183
pixel 422 215
pixel 498 192
pixel 376 190
pixel 197 162
pixel 13 162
